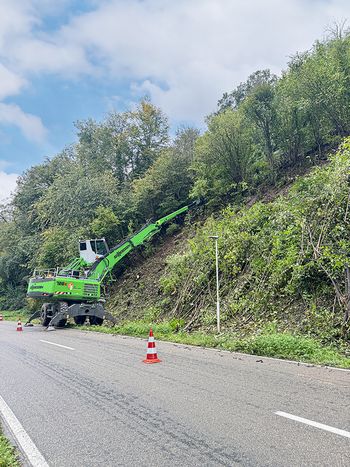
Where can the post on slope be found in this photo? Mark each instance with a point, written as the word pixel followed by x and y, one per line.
pixel 215 237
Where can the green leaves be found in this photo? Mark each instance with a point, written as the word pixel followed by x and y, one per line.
pixel 71 200
pixel 222 156
pixel 274 256
pixel 125 143
pixel 166 184
pixel 105 224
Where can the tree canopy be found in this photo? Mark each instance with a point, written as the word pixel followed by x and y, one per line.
pixel 128 167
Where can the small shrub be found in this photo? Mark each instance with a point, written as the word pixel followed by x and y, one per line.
pixel 8 456
pixel 172 229
pixel 208 317
pixel 152 314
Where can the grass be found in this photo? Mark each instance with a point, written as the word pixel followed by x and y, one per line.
pixel 8 457
pixel 269 344
pixel 23 315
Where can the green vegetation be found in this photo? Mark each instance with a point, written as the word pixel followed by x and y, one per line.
pixel 8 456
pixel 284 261
pixel 10 315
pixel 103 185
pixel 269 343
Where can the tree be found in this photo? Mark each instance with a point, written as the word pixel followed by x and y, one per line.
pixel 71 200
pixel 126 143
pixel 34 183
pixel 166 184
pixel 259 106
pixel 105 224
pixel 234 99
pixel 222 156
pixel 149 135
pixel 103 146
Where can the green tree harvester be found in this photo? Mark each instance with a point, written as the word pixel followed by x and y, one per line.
pixel 79 289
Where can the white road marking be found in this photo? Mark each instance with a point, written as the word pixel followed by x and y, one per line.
pixel 321 426
pixel 28 447
pixel 58 345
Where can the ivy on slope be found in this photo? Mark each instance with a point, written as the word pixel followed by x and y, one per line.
pixel 281 262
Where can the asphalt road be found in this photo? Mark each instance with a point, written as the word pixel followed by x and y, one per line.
pixel 99 405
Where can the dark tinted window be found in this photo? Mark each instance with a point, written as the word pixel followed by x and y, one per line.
pixel 101 247
pixel 82 246
pixel 98 247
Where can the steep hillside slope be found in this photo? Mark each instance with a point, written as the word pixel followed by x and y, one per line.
pixel 137 291
pixel 282 264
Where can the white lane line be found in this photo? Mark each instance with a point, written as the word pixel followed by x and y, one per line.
pixel 58 345
pixel 28 447
pixel 321 426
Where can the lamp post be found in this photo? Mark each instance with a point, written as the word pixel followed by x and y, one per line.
pixel 215 237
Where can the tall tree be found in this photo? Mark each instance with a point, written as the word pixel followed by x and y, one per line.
pixel 259 106
pixel 126 143
pixel 223 155
pixel 233 99
pixel 166 184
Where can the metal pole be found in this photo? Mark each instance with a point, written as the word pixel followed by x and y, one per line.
pixel 215 237
pixel 217 286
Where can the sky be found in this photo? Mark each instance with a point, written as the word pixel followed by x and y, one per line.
pixel 68 60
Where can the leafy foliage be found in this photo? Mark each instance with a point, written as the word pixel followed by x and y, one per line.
pixel 282 261
pixel 267 124
pixel 166 184
pixel 126 143
pixel 222 156
pixel 8 455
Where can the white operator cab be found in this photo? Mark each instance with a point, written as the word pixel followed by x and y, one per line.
pixel 91 250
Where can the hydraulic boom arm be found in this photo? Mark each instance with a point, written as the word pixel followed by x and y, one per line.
pixel 103 266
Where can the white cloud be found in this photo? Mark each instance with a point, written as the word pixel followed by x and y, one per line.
pixel 17 19
pixel 31 125
pixel 44 56
pixel 184 53
pixel 187 53
pixel 11 83
pixel 7 185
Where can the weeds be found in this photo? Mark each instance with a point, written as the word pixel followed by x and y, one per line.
pixel 8 456
pixel 23 315
pixel 270 343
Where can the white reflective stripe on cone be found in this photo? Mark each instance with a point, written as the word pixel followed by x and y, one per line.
pixel 151 339
pixel 151 351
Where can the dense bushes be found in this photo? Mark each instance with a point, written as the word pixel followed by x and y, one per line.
pixel 127 169
pixel 267 125
pixel 120 173
pixel 282 261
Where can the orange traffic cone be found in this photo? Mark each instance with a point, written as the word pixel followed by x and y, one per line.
pixel 151 356
pixel 1 318
pixel 19 326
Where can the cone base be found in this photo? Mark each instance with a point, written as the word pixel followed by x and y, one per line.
pixel 156 360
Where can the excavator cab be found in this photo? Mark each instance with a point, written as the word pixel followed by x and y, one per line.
pixel 91 250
